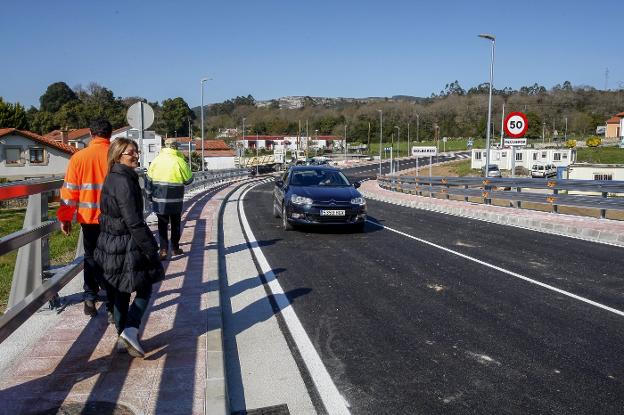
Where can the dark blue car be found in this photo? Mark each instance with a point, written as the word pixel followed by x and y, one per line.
pixel 318 195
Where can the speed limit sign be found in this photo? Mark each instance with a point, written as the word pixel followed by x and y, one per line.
pixel 516 124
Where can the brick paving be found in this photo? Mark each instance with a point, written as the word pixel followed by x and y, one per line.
pixel 182 371
pixel 591 229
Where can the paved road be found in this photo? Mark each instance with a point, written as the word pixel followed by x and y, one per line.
pixel 405 327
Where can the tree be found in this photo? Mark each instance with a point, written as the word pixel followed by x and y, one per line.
pixel 174 117
pixel 57 95
pixel 12 115
pixel 41 122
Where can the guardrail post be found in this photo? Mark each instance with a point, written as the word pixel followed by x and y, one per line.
pixel 518 203
pixel 555 207
pixel 28 272
pixel 487 190
pixel 465 197
pixel 603 212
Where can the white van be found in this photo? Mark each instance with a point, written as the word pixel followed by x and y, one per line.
pixel 544 171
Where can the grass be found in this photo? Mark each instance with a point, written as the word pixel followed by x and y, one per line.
pixel 462 168
pixel 451 145
pixel 602 155
pixel 62 248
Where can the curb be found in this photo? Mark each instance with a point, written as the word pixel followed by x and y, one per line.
pixel 589 229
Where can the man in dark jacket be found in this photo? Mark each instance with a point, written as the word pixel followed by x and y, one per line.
pixel 166 177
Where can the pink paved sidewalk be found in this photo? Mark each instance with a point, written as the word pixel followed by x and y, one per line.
pixel 183 369
pixel 592 229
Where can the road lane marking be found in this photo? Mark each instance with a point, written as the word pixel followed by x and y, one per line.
pixel 333 401
pixel 505 271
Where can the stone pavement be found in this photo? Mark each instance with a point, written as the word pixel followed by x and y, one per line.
pixel 586 228
pixel 75 361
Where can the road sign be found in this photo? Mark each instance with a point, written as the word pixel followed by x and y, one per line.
pixel 387 148
pixel 516 124
pixel 444 139
pixel 140 111
pixel 515 142
pixel 424 151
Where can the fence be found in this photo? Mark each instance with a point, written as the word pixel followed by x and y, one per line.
pixel 595 194
pixel 33 282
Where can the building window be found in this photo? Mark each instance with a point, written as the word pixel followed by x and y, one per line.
pixel 534 156
pixel 603 176
pixel 504 154
pixel 557 156
pixel 518 156
pixel 565 155
pixel 13 156
pixel 152 148
pixel 36 155
pixel 477 155
pixel 544 154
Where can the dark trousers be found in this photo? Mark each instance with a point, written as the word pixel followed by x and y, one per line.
pixel 93 275
pixel 163 224
pixel 126 314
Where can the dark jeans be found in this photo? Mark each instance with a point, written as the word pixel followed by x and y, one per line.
pixel 163 224
pixel 93 277
pixel 125 314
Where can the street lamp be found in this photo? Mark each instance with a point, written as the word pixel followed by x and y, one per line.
pixel 380 137
pixel 417 126
pixel 244 132
pixel 398 144
pixel 492 38
pixel 345 142
pixel 202 121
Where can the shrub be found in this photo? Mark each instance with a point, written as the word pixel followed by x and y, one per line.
pixel 593 141
pixel 570 143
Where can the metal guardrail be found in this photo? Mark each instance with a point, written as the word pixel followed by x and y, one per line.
pixel 595 194
pixel 33 284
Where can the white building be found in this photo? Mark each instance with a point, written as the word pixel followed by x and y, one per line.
pixel 587 171
pixel 217 154
pixel 152 142
pixel 291 143
pixel 524 157
pixel 26 155
pixel 78 138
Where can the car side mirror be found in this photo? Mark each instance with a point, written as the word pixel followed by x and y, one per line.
pixel 356 184
pixel 279 183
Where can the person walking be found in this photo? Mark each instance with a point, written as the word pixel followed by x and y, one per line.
pixel 126 248
pixel 166 177
pixel 80 196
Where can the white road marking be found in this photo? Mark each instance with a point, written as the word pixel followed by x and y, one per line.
pixel 513 274
pixel 333 401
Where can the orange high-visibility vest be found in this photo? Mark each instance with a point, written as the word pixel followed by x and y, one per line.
pixel 85 176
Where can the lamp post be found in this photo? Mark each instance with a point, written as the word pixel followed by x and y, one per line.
pixel 565 134
pixel 380 137
pixel 202 121
pixel 345 137
pixel 491 38
pixel 417 126
pixel 398 145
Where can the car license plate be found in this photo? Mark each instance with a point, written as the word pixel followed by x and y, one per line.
pixel 325 212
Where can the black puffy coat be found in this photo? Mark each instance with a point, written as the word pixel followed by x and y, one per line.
pixel 126 249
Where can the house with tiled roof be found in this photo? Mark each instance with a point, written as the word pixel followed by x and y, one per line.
pixel 614 126
pixel 217 154
pixel 290 143
pixel 78 138
pixel 26 155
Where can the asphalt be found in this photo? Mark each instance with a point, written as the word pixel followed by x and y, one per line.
pixel 511 321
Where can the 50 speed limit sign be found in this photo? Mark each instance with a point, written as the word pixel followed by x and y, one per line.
pixel 516 124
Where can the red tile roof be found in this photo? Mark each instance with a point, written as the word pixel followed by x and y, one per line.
pixel 39 138
pixel 208 144
pixel 211 153
pixel 71 135
pixel 614 120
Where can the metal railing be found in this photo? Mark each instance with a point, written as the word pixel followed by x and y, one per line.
pixel 33 282
pixel 593 194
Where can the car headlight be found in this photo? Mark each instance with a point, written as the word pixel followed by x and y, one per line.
pixel 358 201
pixel 300 200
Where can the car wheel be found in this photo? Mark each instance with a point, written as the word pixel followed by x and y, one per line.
pixel 285 224
pixel 276 212
pixel 359 227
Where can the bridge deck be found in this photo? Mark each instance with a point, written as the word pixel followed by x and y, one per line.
pixel 75 359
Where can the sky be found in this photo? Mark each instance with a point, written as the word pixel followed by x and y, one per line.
pixel 273 48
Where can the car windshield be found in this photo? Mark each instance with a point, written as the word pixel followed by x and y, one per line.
pixel 318 178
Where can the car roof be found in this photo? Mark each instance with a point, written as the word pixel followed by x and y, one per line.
pixel 314 167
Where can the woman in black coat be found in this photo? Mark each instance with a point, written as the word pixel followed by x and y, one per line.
pixel 126 249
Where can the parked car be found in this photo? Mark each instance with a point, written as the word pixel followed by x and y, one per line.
pixel 318 195
pixel 543 170
pixel 493 171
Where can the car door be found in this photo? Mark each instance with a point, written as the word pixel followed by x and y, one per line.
pixel 278 191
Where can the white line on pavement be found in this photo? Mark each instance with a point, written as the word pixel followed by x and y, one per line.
pixel 513 274
pixel 333 401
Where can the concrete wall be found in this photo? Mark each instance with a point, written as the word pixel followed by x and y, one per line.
pixel 55 160
pixel 502 157
pixel 613 130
